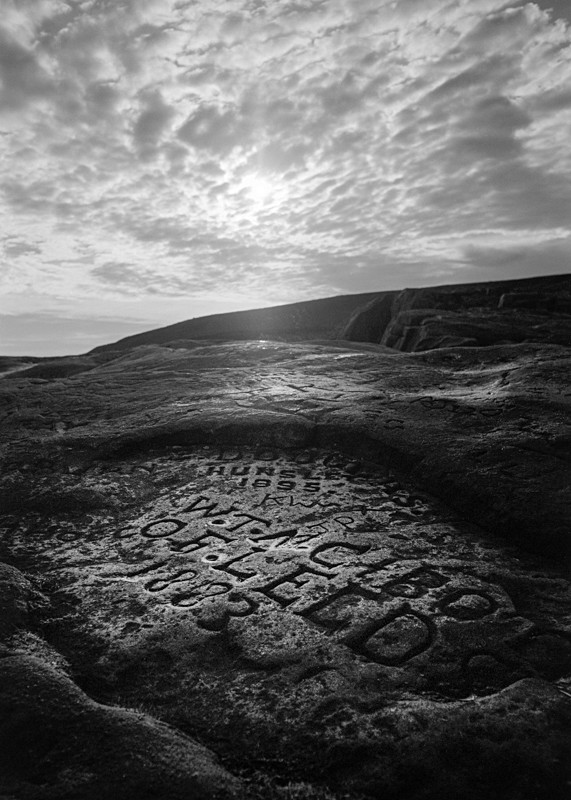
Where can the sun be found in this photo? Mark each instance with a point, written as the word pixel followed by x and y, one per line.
pixel 258 188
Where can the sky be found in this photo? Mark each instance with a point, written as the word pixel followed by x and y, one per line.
pixel 167 159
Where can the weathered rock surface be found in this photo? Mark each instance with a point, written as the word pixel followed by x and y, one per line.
pixel 55 742
pixel 471 315
pixel 339 568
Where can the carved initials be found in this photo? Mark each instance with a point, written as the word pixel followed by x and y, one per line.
pixel 233 567
pixel 204 504
pixel 279 589
pixel 276 539
pixel 334 560
pixel 208 539
pixel 249 518
pixel 162 528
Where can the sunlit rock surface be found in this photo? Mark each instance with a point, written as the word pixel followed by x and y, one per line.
pixel 288 570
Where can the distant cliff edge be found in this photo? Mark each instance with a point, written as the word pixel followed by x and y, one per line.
pixel 411 320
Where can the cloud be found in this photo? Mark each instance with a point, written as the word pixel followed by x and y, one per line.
pixel 558 99
pixel 152 122
pixel 557 9
pixel 132 279
pixel 101 98
pixel 489 129
pixel 22 77
pixel 551 257
pixel 214 129
pixel 15 247
pixel 493 256
pixel 277 150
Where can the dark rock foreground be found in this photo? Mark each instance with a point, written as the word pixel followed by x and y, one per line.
pixel 276 570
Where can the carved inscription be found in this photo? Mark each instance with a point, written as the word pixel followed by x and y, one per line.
pixel 323 540
pixel 267 552
pixel 265 473
pixel 295 548
pixel 395 639
pixel 264 477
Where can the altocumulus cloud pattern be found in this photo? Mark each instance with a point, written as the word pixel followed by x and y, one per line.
pixel 253 152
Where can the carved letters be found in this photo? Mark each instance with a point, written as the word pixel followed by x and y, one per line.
pixel 314 541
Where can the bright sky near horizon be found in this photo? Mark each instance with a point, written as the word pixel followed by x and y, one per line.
pixel 166 159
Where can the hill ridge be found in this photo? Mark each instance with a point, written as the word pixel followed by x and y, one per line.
pixel 322 318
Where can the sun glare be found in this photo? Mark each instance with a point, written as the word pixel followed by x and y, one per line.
pixel 258 188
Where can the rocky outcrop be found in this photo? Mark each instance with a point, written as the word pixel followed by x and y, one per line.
pixel 288 570
pixel 558 300
pixel 427 329
pixel 534 310
pixel 368 323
